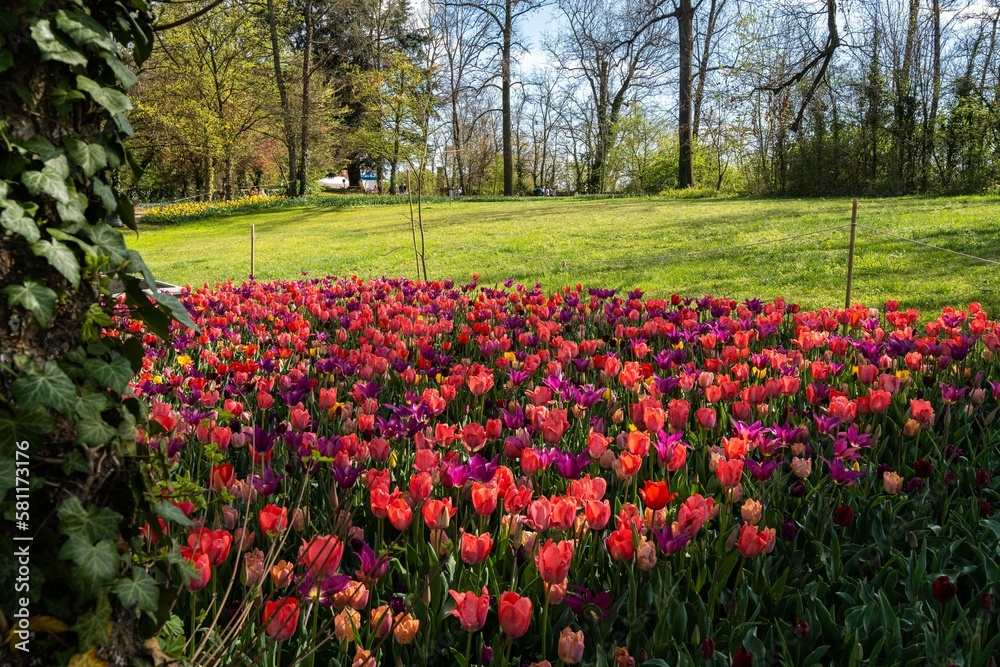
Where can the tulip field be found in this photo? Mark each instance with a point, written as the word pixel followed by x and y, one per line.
pixel 388 472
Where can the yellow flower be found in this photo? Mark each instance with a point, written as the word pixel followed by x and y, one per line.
pixel 184 360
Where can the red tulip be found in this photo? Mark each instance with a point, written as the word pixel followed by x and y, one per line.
pixel 470 609
pixel 620 544
pixel 677 413
pixel 321 556
pixel 597 513
pixel 752 541
pixel 922 411
pixel 515 614
pixel 944 589
pixel 693 513
pixel 222 477
pixel 475 548
pixel 484 498
pixel 707 418
pixel 399 512
pixel 553 560
pixel 437 513
pixel 281 618
pixel 730 472
pixel 273 520
pixel 656 495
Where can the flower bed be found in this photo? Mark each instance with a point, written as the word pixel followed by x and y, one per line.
pixel 197 210
pixel 403 473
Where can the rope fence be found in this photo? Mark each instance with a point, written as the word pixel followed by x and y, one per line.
pixel 733 250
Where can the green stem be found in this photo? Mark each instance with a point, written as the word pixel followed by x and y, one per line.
pixel 545 623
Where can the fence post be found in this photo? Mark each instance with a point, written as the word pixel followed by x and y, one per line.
pixel 850 252
pixel 253 240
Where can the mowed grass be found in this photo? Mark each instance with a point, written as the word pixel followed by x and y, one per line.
pixel 727 247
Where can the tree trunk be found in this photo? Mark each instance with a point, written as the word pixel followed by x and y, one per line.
pixel 685 38
pixel 905 106
pixel 715 8
pixel 508 153
pixel 931 122
pixel 286 108
pixel 303 170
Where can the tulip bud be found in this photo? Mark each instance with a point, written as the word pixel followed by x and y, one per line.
pixel 800 629
pixel 300 517
pixel 708 648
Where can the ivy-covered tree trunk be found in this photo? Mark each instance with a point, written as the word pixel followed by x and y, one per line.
pixel 67 425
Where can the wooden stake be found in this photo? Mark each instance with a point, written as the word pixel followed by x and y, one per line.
pixel 850 252
pixel 253 243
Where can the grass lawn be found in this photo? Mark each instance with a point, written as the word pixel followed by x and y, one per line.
pixel 730 247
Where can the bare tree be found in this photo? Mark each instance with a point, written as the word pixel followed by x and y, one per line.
pixel 504 16
pixel 620 52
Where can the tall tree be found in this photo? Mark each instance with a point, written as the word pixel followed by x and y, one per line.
pixel 504 15
pixel 621 54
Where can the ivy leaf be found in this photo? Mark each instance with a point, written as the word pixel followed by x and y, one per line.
pixel 89 157
pixel 63 97
pixel 109 240
pixel 93 431
pixel 15 219
pixel 53 47
pixel 73 211
pixel 125 75
pixel 113 101
pixel 84 30
pixel 172 514
pixel 28 425
pixel 61 258
pixel 59 164
pixel 95 524
pixel 41 147
pixel 107 195
pixel 92 628
pixel 114 375
pixel 48 181
pixel 96 563
pixel 6 60
pixel 140 590
pixel 34 297
pixel 50 388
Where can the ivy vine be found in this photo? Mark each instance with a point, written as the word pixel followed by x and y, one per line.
pixel 95 595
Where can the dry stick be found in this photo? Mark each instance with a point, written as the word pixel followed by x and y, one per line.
pixel 253 238
pixel 272 553
pixel 850 252
pixel 413 225
pixel 235 629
